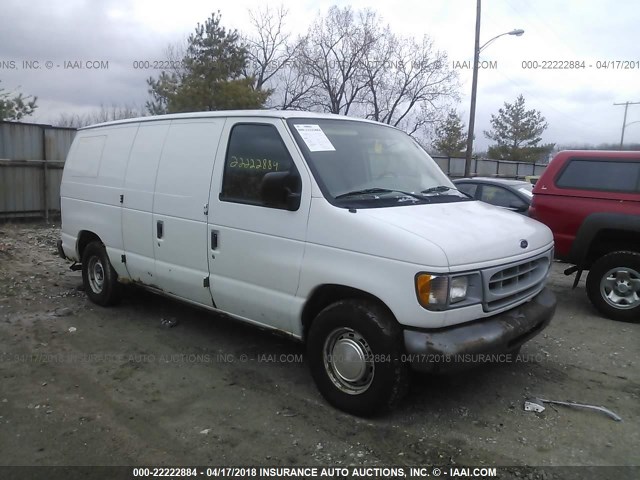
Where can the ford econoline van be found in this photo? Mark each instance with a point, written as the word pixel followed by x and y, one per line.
pixel 342 233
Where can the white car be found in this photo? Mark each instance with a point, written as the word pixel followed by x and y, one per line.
pixel 341 232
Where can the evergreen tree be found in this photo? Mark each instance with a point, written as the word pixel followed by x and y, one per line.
pixel 517 133
pixel 14 108
pixel 450 136
pixel 210 77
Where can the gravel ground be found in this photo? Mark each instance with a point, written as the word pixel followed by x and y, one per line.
pixel 84 385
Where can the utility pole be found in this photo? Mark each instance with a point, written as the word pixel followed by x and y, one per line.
pixel 624 120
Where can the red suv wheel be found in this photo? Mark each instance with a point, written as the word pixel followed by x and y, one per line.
pixel 613 286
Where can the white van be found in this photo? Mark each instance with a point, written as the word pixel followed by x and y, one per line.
pixel 341 232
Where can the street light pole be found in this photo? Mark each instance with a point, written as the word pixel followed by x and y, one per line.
pixel 517 32
pixel 474 85
pixel 474 89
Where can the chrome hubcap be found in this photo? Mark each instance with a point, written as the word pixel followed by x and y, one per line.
pixel 348 360
pixel 96 275
pixel 620 287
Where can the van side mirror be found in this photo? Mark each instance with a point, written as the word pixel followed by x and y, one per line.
pixel 281 189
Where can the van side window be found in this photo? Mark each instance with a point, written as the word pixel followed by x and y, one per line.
pixel 253 151
pixel 87 156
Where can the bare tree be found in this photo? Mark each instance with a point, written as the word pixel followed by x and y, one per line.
pixel 103 114
pixel 333 56
pixel 295 85
pixel 70 120
pixel 268 48
pixel 373 73
pixel 408 83
pixel 352 63
pixel 275 61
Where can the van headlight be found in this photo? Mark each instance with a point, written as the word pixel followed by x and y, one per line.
pixel 458 289
pixel 439 292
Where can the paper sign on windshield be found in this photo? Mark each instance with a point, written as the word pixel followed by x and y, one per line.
pixel 315 138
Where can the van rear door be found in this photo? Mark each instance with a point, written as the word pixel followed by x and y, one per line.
pixel 180 208
pixel 137 201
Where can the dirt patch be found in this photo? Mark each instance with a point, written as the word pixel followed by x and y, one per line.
pixel 84 385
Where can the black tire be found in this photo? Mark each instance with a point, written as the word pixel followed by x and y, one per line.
pixel 613 286
pixel 365 330
pixel 98 276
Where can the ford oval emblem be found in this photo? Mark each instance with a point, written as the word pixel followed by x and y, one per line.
pixel 524 244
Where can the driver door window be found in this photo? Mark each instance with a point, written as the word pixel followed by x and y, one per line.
pixel 254 150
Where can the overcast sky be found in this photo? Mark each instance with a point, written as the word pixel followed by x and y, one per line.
pixel 578 104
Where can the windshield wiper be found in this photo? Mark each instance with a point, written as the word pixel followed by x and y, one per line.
pixel 437 189
pixel 368 191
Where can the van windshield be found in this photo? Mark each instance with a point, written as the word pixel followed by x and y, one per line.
pixel 370 165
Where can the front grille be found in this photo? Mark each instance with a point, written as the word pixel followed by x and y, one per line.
pixel 508 284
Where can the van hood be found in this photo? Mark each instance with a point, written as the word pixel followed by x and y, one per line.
pixel 468 233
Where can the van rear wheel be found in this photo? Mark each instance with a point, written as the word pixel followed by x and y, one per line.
pixel 98 276
pixel 354 350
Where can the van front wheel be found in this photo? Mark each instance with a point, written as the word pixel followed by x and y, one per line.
pixel 355 352
pixel 98 276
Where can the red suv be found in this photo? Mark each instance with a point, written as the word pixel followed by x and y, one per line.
pixel 591 202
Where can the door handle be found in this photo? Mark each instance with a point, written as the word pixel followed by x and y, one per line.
pixel 214 240
pixel 160 229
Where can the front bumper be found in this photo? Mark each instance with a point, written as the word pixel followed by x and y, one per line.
pixel 464 346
